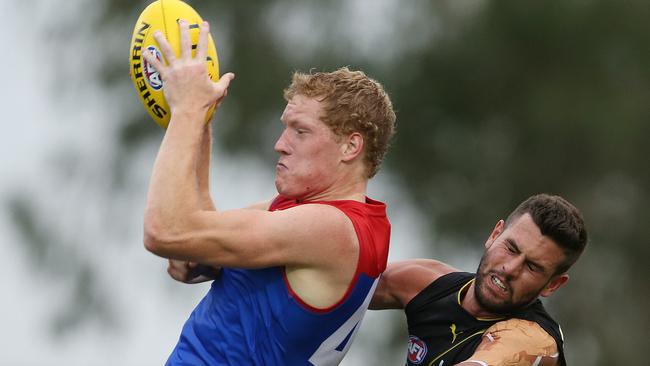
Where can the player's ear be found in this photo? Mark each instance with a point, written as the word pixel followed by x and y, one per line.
pixel 555 283
pixel 498 229
pixel 352 146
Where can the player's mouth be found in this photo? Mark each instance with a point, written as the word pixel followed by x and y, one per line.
pixel 498 283
pixel 280 166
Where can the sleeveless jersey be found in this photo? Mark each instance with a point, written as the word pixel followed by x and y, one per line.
pixel 252 317
pixel 441 332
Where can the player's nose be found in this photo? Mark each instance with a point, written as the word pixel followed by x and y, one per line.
pixel 513 266
pixel 281 145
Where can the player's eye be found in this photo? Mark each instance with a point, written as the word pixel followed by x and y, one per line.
pixel 533 267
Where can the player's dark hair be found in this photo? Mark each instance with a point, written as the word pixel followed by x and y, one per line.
pixel 559 220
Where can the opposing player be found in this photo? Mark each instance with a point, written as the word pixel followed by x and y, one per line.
pixel 493 317
pixel 299 271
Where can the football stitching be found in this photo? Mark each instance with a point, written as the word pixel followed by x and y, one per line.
pixel 162 10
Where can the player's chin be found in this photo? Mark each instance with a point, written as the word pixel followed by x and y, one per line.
pixel 283 188
pixel 498 307
pixel 279 185
pixel 497 303
pixel 291 192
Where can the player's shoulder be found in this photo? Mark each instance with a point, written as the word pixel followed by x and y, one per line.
pixel 319 218
pixel 316 229
pixel 320 214
pixel 309 211
pixel 516 326
pixel 516 341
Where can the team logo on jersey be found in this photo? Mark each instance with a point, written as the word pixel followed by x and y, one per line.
pixel 417 350
pixel 151 74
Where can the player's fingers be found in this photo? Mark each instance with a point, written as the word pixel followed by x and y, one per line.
pixel 175 263
pixel 186 42
pixel 174 273
pixel 221 86
pixel 165 48
pixel 202 48
pixel 153 61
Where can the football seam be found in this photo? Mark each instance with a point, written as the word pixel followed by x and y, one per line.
pixel 162 10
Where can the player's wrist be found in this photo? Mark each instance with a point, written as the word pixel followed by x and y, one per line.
pixel 190 115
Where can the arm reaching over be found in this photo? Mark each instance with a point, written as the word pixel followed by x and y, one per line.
pixel 403 280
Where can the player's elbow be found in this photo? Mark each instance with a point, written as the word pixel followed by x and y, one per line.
pixel 158 237
pixel 153 236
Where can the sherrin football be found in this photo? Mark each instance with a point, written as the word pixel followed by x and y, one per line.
pixel 163 15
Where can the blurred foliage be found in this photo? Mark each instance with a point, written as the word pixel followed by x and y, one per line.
pixel 86 300
pixel 498 101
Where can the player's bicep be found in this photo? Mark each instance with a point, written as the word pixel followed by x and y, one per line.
pixel 238 238
pixel 403 280
pixel 395 287
pixel 255 238
pixel 515 342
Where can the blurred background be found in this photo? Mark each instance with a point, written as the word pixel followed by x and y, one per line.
pixel 495 101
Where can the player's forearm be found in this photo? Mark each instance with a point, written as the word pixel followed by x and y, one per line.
pixel 203 169
pixel 173 191
pixel 204 272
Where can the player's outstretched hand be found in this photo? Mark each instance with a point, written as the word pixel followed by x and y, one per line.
pixel 187 86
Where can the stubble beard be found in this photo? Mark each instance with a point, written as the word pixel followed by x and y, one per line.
pixel 497 306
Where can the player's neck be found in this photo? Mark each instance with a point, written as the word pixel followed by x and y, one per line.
pixel 342 189
pixel 338 193
pixel 471 305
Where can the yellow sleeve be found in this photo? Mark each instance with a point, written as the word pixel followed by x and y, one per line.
pixel 516 342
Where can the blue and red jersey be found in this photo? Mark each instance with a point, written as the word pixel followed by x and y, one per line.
pixel 252 316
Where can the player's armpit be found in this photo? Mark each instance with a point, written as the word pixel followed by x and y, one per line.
pixel 515 342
